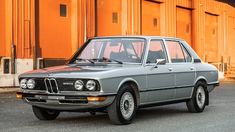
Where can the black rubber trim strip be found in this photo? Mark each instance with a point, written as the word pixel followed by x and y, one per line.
pixel 162 103
pixel 167 88
pixel 215 84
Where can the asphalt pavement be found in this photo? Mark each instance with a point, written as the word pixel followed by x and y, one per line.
pixel 219 116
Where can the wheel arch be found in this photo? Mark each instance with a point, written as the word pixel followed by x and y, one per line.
pixel 202 79
pixel 134 85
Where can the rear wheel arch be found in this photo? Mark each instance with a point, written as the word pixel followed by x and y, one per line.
pixel 204 81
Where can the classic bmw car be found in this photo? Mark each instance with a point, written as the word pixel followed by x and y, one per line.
pixel 119 75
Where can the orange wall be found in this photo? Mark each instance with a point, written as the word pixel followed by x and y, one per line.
pixel 55 31
pixel 2 28
pixel 211 37
pixel 150 18
pixel 184 24
pixel 61 36
pixel 106 11
pixel 231 38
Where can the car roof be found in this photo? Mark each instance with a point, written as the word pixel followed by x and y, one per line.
pixel 140 36
pixel 193 53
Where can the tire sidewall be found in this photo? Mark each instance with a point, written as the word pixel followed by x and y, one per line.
pixel 124 89
pixel 203 85
pixel 44 114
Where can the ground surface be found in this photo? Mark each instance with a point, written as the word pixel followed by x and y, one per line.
pixel 219 116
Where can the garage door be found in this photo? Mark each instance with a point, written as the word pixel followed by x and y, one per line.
pixel 108 17
pixel 211 38
pixel 2 28
pixel 184 24
pixel 231 38
pixel 55 28
pixel 150 18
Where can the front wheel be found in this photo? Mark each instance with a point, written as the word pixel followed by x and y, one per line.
pixel 123 109
pixel 198 101
pixel 44 114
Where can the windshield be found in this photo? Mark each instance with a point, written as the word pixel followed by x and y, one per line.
pixel 115 50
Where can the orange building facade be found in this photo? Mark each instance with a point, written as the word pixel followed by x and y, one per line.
pixel 41 33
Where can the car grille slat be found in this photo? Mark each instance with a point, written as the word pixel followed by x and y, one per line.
pixel 51 85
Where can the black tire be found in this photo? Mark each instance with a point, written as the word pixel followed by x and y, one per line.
pixel 114 110
pixel 197 104
pixel 44 114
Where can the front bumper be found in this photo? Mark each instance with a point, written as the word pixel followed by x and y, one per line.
pixel 68 101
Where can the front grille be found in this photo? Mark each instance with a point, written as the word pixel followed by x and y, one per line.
pixel 51 85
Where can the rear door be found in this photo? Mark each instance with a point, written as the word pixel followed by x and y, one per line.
pixel 182 67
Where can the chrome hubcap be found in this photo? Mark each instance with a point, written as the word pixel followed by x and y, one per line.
pixel 200 97
pixel 127 105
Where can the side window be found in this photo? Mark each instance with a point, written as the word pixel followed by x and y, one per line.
pixel 175 52
pixel 187 56
pixel 156 51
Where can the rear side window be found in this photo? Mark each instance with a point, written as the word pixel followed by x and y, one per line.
pixel 176 52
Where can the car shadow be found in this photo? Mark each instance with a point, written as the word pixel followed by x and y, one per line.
pixel 160 112
pixel 101 119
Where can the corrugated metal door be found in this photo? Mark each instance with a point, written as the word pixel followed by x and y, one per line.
pixel 211 38
pixel 55 28
pixel 150 18
pixel 184 24
pixel 231 38
pixel 108 17
pixel 2 28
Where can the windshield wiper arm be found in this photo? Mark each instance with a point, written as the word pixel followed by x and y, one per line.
pixel 108 59
pixel 81 59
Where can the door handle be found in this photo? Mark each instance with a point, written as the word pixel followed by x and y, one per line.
pixel 170 69
pixel 191 68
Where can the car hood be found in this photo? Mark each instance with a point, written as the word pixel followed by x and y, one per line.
pixel 75 70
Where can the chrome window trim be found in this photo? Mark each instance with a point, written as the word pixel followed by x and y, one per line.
pixel 164 50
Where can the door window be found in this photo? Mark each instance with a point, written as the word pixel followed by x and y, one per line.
pixel 176 52
pixel 156 51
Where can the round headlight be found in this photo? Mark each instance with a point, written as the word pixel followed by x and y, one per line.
pixel 90 85
pixel 78 85
pixel 23 83
pixel 30 83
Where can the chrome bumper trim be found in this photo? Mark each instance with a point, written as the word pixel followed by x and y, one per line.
pixel 65 102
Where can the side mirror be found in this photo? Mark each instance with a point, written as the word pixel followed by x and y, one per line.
pixel 160 62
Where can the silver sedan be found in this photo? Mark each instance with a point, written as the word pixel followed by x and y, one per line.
pixel 119 75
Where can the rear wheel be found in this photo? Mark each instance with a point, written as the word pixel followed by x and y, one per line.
pixel 198 101
pixel 123 109
pixel 45 114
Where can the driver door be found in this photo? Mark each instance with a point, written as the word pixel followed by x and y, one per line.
pixel 160 78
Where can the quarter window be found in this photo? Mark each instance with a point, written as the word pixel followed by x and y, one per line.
pixel 188 58
pixel 156 51
pixel 175 51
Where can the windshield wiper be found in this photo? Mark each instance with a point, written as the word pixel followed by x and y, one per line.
pixel 81 59
pixel 108 59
